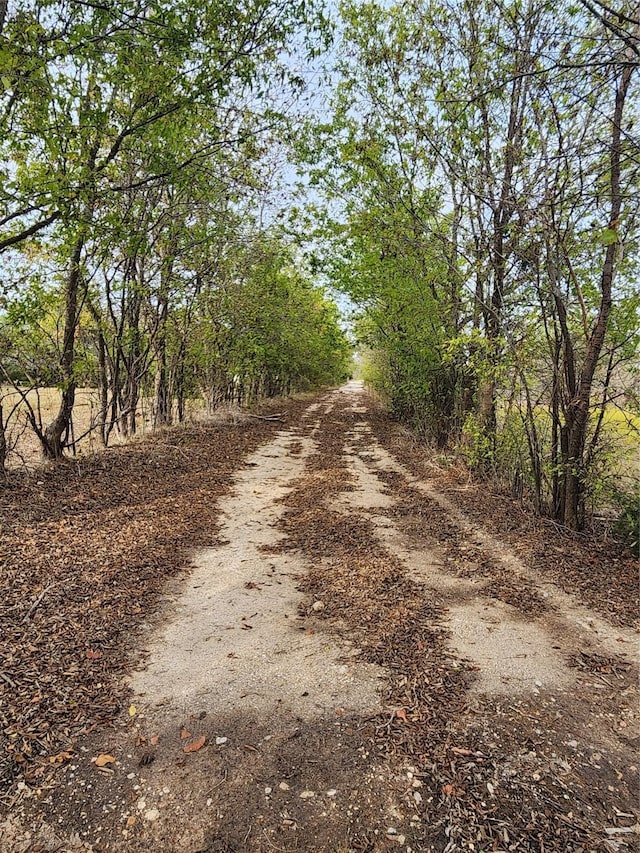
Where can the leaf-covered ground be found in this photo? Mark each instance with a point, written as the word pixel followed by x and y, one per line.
pixel 86 548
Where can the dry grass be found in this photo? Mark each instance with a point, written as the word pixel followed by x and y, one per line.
pixel 24 448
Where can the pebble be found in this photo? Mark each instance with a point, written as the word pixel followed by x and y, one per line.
pixel 572 743
pixel 283 786
pixel 317 606
pixel 221 740
pixel 331 792
pixel 151 814
pixel 306 795
pixel 141 805
pixel 392 831
pixel 268 791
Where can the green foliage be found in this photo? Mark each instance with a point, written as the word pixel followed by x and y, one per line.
pixel 481 212
pixel 137 151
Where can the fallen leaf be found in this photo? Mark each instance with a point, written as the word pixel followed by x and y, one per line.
pixel 460 750
pixel 448 789
pixel 131 820
pixel 184 734
pixel 103 759
pixel 93 654
pixel 401 714
pixel 60 757
pixel 195 745
pixel 154 740
pixel 132 710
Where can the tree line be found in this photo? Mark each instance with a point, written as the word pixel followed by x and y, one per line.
pixel 139 143
pixel 485 160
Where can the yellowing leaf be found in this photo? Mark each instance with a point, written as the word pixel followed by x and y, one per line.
pixel 132 710
pixel 103 760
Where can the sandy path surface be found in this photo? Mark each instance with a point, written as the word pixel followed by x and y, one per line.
pixel 235 628
pixel 270 717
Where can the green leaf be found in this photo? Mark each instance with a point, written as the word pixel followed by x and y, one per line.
pixel 608 236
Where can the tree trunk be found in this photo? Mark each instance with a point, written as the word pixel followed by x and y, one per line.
pixel 577 412
pixel 3 445
pixel 55 434
pixel 161 401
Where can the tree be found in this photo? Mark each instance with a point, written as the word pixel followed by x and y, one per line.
pixel 96 97
pixel 513 119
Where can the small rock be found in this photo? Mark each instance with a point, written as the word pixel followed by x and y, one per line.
pixel 417 797
pixel 331 792
pixel 141 805
pixel 151 814
pixel 317 606
pixel 306 795
pixel 268 791
pixel 283 786
pixel 209 802
pixel 392 831
pixel 572 743
pixel 221 740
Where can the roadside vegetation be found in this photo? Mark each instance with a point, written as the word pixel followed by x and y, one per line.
pixel 471 183
pixel 486 155
pixel 139 251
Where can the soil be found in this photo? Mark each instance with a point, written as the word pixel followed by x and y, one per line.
pixel 299 631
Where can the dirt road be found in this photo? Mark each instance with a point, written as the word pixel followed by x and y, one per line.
pixel 358 666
